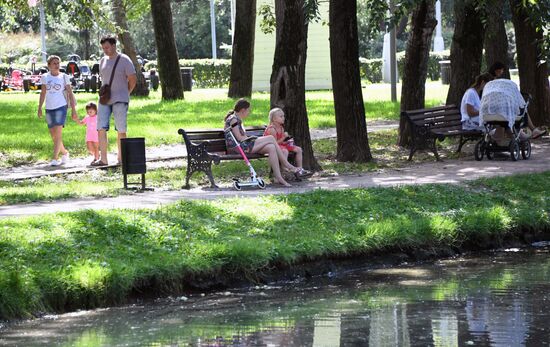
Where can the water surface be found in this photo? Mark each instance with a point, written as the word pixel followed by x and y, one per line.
pixel 499 298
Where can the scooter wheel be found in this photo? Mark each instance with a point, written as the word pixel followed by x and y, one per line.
pixel 236 185
pixel 261 183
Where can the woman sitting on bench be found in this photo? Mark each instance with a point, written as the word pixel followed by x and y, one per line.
pixel 471 103
pixel 262 144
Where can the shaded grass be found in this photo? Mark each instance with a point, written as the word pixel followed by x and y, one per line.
pixel 93 258
pixel 25 139
pixel 171 175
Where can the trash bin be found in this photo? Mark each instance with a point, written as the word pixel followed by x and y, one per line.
pixel 133 158
pixel 445 66
pixel 187 78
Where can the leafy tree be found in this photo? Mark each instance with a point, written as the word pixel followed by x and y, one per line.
pixel 533 70
pixel 413 91
pixel 466 48
pixel 119 14
pixel 168 64
pixel 288 75
pixel 496 40
pixel 242 60
pixel 351 126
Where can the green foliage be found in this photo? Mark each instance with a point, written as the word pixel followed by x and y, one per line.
pixel 434 68
pixel 371 69
pixel 207 73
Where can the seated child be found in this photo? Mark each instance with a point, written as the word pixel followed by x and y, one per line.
pixel 92 139
pixel 277 130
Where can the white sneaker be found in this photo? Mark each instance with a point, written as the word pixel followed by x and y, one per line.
pixel 55 162
pixel 65 158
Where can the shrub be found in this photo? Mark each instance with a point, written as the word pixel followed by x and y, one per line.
pixel 371 69
pixel 207 73
pixel 434 70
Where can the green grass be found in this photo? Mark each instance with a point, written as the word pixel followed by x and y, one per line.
pixel 94 258
pixel 25 138
pixel 106 183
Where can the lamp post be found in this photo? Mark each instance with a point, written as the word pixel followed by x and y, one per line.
pixel 213 30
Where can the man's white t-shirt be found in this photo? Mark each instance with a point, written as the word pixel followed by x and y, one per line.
pixel 54 89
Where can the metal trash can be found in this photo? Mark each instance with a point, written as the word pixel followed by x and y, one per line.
pixel 133 159
pixel 187 78
pixel 445 67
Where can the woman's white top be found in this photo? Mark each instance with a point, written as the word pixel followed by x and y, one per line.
pixel 54 89
pixel 471 97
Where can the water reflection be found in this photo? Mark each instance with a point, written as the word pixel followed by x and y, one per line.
pixel 500 299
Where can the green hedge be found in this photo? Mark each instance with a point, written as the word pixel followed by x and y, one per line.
pixel 371 69
pixel 206 72
pixel 434 71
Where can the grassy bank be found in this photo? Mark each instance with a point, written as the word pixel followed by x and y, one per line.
pixel 94 258
pixel 25 138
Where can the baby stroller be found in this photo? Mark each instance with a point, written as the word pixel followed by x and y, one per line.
pixel 518 143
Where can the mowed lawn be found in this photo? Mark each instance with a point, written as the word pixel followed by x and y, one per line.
pixel 25 139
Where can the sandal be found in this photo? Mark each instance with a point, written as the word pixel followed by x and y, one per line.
pixel 303 173
pixel 538 132
pixel 98 163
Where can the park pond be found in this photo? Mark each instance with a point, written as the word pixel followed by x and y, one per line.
pixel 496 298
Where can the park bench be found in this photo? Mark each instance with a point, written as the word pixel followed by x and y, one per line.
pixel 207 146
pixel 437 123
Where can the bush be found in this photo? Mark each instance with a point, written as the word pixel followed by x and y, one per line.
pixel 371 69
pixel 206 72
pixel 434 71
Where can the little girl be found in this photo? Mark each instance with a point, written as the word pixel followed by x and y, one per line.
pixel 92 139
pixel 277 130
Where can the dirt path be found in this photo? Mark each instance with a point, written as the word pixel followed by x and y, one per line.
pixel 449 172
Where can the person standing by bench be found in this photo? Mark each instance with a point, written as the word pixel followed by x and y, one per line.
pixel 471 103
pixel 262 144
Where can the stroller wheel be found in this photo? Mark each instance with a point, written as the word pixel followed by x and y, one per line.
pixel 514 150
pixel 479 150
pixel 261 183
pixel 488 151
pixel 526 149
pixel 236 185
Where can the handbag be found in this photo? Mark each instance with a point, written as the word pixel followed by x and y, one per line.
pixel 105 89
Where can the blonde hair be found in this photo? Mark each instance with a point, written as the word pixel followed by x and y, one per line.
pixel 274 112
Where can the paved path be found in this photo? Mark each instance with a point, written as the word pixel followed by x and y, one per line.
pixel 449 171
pixel 152 154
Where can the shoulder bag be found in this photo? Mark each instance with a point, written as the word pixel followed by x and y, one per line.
pixel 105 90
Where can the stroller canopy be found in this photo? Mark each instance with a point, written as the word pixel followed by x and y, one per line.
pixel 501 97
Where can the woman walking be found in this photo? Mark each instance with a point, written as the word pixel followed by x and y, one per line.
pixel 54 84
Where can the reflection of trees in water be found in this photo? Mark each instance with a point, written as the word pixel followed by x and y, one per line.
pixel 487 302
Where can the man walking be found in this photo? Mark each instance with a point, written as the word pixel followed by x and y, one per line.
pixel 124 80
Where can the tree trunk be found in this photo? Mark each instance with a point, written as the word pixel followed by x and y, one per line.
pixel 288 75
pixel 351 126
pixel 496 40
pixel 128 47
pixel 242 58
pixel 85 43
pixel 533 75
pixel 167 54
pixel 466 49
pixel 413 91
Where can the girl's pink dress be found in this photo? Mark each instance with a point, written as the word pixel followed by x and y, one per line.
pixel 91 128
